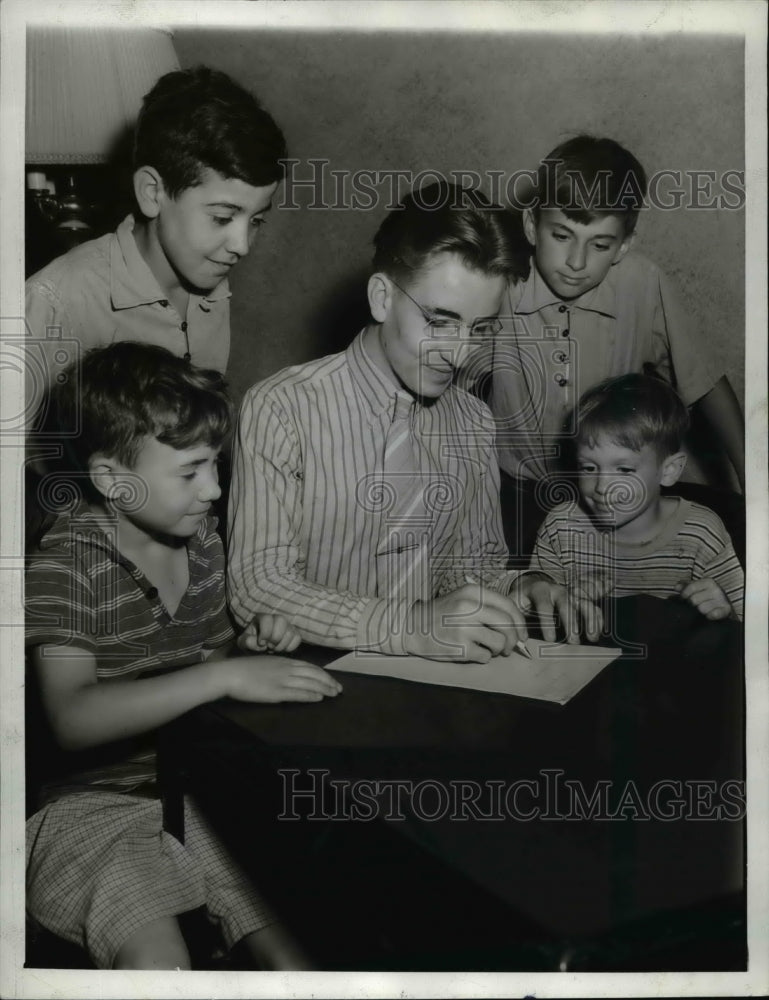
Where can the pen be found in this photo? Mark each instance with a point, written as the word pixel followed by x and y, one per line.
pixel 519 645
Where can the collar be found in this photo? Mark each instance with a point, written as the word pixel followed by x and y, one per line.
pixel 131 281
pixel 76 525
pixel 373 385
pixel 80 524
pixel 536 295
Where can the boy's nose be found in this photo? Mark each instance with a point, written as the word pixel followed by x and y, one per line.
pixel 238 241
pixel 576 258
pixel 210 489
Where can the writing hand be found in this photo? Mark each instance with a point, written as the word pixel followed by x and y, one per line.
pixel 471 625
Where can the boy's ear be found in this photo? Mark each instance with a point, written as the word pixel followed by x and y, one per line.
pixel 672 468
pixel 380 294
pixel 624 246
pixel 149 191
pixel 530 226
pixel 103 471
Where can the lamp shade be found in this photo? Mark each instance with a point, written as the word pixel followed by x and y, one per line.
pixel 85 85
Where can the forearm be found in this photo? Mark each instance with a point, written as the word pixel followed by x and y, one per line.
pixel 722 411
pixel 322 616
pixel 266 568
pixel 103 712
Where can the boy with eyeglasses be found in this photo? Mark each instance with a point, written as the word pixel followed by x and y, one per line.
pixel 364 504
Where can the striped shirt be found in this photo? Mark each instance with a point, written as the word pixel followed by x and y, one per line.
pixel 693 544
pixel 80 591
pixel 306 517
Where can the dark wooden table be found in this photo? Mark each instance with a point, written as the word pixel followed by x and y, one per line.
pixel 494 831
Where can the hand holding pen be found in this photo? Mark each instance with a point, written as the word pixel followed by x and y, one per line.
pixel 519 646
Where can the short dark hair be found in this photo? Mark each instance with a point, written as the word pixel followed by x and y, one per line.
pixel 117 396
pixel 587 177
pixel 446 218
pixel 633 410
pixel 198 119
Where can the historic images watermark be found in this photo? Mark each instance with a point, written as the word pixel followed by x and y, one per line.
pixel 549 795
pixel 313 184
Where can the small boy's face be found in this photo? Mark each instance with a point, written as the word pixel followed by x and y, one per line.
pixel 422 355
pixel 178 487
pixel 571 256
pixel 620 487
pixel 205 230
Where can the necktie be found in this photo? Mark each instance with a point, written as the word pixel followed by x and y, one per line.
pixel 406 519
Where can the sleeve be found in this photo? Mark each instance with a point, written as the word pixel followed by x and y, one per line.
pixel 547 557
pixel 59 602
pixel 219 631
pixel 680 357
pixel 50 341
pixel 717 561
pixel 480 552
pixel 265 555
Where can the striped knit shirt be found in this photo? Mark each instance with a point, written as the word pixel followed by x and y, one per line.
pixel 80 591
pixel 692 544
pixel 306 516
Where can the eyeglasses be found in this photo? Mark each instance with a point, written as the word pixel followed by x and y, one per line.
pixel 444 326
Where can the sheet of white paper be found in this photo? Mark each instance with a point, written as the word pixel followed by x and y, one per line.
pixel 554 673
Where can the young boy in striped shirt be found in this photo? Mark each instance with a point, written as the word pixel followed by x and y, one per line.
pixel 622 536
pixel 127 629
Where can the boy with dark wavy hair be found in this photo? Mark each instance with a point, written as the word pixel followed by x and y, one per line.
pixel 126 629
pixel 207 161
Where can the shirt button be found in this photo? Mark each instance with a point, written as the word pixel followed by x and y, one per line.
pixel 184 327
pixel 561 379
pixel 562 308
pixel 152 593
pixel 564 333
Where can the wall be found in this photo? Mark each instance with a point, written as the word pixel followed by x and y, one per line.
pixel 412 101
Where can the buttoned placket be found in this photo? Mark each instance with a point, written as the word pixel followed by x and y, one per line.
pixel 561 355
pixel 184 329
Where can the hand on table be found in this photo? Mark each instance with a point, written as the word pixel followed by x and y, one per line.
pixel 271 633
pixel 471 624
pixel 273 679
pixel 707 597
pixel 550 601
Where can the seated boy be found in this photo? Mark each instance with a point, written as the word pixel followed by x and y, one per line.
pixel 126 630
pixel 623 537
pixel 207 160
pixel 364 503
pixel 589 309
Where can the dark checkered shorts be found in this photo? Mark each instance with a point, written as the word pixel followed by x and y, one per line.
pixel 100 867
